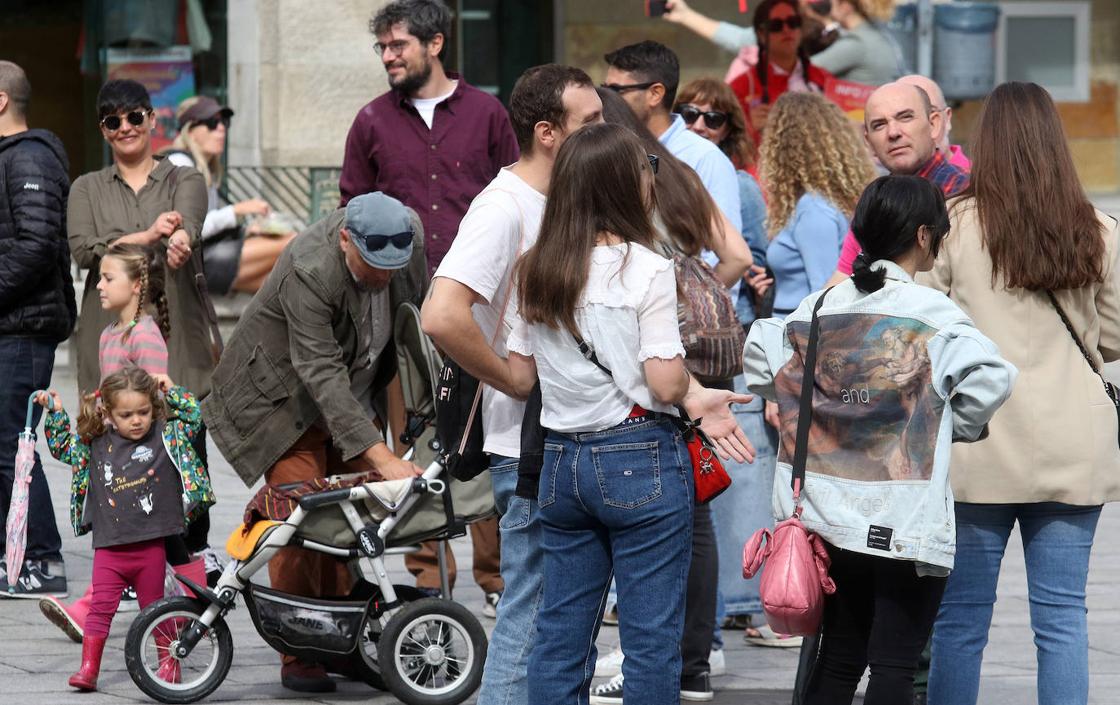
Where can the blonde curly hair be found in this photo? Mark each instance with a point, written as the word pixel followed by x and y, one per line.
pixel 810 146
pixel 878 10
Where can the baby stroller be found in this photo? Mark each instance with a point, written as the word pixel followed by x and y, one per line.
pixel 424 650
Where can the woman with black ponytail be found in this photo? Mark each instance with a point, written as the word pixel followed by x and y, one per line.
pixel 901 374
pixel 783 63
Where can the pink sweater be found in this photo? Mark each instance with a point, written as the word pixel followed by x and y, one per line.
pixel 144 348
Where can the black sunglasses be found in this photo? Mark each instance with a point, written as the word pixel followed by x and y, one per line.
pixel 212 122
pixel 776 25
pixel 136 118
pixel 376 243
pixel 622 88
pixel 654 162
pixel 714 119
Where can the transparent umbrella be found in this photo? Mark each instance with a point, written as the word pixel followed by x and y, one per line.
pixel 16 529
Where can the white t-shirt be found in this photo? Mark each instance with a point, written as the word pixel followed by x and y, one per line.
pixel 482 258
pixel 628 318
pixel 427 106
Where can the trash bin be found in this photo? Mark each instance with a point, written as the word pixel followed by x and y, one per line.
pixel 904 28
pixel 964 48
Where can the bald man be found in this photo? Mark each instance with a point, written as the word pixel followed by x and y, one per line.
pixel 952 152
pixel 903 127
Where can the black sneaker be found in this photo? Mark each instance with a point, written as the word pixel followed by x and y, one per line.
pixel 39 579
pixel 697 688
pixel 609 693
pixel 3 577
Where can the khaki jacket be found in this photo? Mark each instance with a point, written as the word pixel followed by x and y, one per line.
pixel 289 362
pixel 1055 438
pixel 103 208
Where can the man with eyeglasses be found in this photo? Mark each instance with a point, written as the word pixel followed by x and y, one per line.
pixel 37 312
pixel 432 141
pixel 297 389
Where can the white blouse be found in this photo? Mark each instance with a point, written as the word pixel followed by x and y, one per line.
pixel 628 314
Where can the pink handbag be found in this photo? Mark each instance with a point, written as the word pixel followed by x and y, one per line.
pixel 794 561
pixel 794 575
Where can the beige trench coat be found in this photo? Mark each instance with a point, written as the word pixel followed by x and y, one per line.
pixel 1055 439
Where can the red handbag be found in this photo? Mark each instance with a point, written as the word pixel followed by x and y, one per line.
pixel 710 477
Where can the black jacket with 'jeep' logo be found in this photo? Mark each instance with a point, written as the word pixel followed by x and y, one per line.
pixel 36 289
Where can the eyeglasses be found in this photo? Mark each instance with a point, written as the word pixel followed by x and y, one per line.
pixel 776 25
pixel 395 47
pixel 136 118
pixel 376 243
pixel 622 88
pixel 654 162
pixel 212 122
pixel 714 119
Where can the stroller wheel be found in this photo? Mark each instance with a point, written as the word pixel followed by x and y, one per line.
pixel 363 663
pixel 432 653
pixel 151 659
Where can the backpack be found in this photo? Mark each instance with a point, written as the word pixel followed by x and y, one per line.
pixel 711 333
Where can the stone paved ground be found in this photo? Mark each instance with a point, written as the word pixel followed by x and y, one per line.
pixel 36 659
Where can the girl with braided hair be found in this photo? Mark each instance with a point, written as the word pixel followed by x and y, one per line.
pixel 131 285
pixel 783 63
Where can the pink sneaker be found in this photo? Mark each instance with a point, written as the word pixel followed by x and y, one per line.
pixel 72 619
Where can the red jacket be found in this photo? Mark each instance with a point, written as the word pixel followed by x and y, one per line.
pixel 748 88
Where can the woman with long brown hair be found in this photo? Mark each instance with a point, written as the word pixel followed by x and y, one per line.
pixel 1034 265
pixel 615 488
pixel 688 223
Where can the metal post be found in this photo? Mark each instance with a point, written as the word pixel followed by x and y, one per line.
pixel 925 37
pixel 444 581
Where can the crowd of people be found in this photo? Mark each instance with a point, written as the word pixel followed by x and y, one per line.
pixel 863 318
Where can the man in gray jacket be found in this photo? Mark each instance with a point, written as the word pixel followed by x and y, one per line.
pixel 295 392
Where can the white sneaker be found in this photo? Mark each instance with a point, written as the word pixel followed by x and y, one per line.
pixel 609 665
pixel 717 664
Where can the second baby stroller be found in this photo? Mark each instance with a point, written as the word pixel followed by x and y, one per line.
pixel 425 650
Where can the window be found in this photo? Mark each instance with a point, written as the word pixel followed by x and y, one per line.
pixel 1047 43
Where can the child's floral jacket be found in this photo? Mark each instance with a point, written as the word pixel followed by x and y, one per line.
pixel 179 430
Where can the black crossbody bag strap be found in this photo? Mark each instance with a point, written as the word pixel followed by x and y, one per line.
pixel 805 406
pixel 684 422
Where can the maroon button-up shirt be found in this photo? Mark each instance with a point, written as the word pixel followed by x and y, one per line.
pixel 436 172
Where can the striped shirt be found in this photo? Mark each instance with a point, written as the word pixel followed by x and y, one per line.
pixel 144 348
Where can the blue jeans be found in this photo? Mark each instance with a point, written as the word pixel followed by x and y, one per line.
pixel 744 508
pixel 1057 539
pixel 615 500
pixel 26 365
pixel 504 680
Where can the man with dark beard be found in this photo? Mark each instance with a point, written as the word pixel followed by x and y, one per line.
pixel 431 141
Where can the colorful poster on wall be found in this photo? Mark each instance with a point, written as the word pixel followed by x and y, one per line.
pixel 168 75
pixel 849 95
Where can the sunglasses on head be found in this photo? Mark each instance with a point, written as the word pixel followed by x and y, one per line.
pixel 776 25
pixel 212 122
pixel 714 119
pixel 376 243
pixel 136 118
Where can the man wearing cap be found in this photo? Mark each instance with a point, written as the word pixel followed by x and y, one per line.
pixel 300 379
